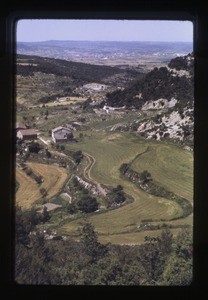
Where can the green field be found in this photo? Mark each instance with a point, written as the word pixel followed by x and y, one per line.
pixel 169 165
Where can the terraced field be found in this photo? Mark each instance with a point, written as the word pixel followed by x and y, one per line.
pixel 126 218
pixel 170 166
pixel 110 150
pixel 29 190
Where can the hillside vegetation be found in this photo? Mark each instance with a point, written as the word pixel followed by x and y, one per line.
pixel 41 80
pixel 159 83
pixel 29 65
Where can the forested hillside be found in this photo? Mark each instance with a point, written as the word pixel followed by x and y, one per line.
pixel 159 83
pixel 28 65
pixel 167 93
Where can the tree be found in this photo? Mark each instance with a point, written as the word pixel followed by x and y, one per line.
pixel 81 135
pixel 43 192
pixel 165 241
pixel 25 222
pixel 77 156
pixel 71 208
pixel 89 242
pixel 184 244
pixel 75 181
pixel 117 195
pixel 70 136
pixel 179 266
pixel 48 154
pixel 151 259
pixel 124 168
pixel 145 176
pixel 34 147
pixel 28 171
pixel 87 204
pixel 177 272
pixel 155 253
pixel 45 214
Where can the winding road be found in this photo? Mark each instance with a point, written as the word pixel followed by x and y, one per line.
pixel 87 173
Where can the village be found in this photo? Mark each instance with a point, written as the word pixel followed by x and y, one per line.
pixel 32 147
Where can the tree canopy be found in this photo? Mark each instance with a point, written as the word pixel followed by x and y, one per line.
pixel 163 260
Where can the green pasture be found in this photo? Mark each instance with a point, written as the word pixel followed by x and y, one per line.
pixel 126 218
pixel 170 166
pixel 133 238
pixel 112 149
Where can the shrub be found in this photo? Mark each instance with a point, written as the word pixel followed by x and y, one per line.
pixel 87 204
pixel 43 192
pixel 28 171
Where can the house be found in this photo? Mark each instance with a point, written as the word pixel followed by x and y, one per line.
pixel 61 134
pixel 27 134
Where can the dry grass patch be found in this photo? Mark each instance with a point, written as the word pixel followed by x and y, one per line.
pixel 29 191
pixel 54 177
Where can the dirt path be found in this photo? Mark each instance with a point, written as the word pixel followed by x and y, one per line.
pixel 87 173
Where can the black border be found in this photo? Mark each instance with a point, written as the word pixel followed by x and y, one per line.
pixel 195 11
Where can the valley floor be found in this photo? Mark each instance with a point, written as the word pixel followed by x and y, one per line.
pixel 104 153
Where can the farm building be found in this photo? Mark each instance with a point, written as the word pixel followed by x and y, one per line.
pixel 27 134
pixel 61 134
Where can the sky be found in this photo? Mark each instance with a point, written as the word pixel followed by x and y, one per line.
pixel 33 30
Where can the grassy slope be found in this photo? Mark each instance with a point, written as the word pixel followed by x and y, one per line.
pixel 170 166
pixel 110 151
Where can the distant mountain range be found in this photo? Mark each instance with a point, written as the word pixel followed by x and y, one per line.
pixel 101 51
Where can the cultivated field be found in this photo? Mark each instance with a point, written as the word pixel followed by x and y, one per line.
pixel 29 190
pixel 110 150
pixel 170 166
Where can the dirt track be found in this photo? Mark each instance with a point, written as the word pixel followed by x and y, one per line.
pixel 87 173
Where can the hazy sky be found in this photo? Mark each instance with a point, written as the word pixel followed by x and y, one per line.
pixel 104 30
